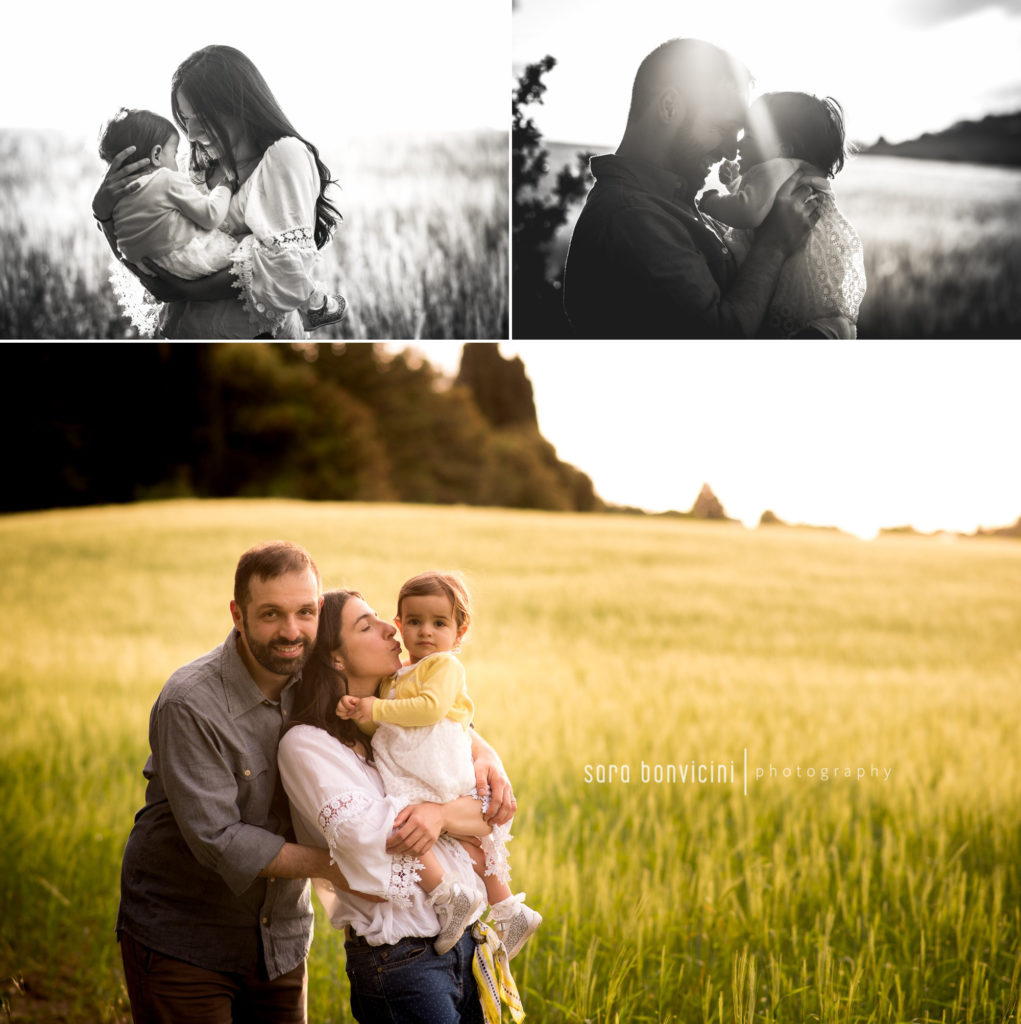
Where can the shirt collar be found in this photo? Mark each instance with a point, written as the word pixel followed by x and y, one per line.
pixel 242 692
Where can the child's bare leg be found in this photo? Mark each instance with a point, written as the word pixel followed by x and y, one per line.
pixel 432 873
pixel 495 889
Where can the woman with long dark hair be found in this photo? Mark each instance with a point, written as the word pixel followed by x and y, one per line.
pixel 279 210
pixel 337 800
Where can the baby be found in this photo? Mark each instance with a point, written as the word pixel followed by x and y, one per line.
pixel 174 223
pixel 821 286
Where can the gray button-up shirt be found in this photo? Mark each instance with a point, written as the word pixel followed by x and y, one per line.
pixel 215 815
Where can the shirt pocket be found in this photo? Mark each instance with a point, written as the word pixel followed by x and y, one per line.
pixel 255 782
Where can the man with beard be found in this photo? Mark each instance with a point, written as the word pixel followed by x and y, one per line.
pixel 644 262
pixel 215 918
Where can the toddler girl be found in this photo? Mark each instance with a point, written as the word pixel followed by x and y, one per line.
pixel 821 286
pixel 421 748
pixel 172 222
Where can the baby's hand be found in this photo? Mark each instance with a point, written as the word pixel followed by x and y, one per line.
pixel 729 171
pixel 362 712
pixel 347 706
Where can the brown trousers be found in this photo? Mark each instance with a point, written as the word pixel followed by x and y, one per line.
pixel 163 990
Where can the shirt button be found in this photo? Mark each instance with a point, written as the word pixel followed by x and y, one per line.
pixel 248 771
pixel 265 920
pixel 272 879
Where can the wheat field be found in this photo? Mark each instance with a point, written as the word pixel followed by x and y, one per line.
pixel 763 776
pixel 422 251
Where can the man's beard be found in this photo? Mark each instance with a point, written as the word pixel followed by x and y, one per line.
pixel 278 665
pixel 687 162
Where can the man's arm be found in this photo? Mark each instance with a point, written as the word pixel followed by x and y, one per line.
pixel 794 212
pixel 296 861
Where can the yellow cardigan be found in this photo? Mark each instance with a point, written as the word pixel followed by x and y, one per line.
pixel 427 692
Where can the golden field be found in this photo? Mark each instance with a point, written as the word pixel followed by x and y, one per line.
pixel 887 891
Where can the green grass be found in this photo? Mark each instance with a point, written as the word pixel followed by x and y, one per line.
pixel 600 640
pixel 421 253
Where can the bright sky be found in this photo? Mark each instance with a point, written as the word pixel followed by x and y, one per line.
pixel 899 67
pixel 339 68
pixel 860 436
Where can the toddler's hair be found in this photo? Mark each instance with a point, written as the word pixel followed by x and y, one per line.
pixel 139 128
pixel 440 584
pixel 812 128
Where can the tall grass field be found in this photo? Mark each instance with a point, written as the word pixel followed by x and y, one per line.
pixel 763 776
pixel 421 253
pixel 942 244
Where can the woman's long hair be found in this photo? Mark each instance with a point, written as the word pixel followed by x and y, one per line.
pixel 222 82
pixel 321 685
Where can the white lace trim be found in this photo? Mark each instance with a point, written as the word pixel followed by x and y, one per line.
pixel 340 810
pixel 293 238
pixel 262 319
pixel 494 846
pixel 405 869
pixel 136 303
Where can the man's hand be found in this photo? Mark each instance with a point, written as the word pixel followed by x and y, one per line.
pixel 795 211
pixel 416 829
pixel 120 179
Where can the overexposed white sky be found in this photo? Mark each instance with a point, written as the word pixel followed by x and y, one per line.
pixel 860 436
pixel 899 67
pixel 339 68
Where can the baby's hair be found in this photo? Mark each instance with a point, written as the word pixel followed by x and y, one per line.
pixel 811 128
pixel 139 128
pixel 440 584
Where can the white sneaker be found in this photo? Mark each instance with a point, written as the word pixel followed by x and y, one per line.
pixel 455 907
pixel 516 928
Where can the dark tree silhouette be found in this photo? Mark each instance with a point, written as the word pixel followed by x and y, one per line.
pixel 707 505
pixel 538 211
pixel 500 387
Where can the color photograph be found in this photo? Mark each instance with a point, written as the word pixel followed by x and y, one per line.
pixel 734 627
pixel 338 171
pixel 766 170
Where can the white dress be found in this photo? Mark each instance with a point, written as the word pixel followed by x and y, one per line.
pixel 337 801
pixel 434 763
pixel 823 283
pixel 272 216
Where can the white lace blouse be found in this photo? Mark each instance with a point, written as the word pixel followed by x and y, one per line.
pixel 337 801
pixel 273 215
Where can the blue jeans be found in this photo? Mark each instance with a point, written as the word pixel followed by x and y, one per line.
pixel 408 983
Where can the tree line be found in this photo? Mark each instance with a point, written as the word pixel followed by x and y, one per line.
pixel 93 424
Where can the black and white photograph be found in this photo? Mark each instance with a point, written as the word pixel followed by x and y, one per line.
pixel 774 170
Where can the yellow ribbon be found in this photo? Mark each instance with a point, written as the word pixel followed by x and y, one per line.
pixel 493 977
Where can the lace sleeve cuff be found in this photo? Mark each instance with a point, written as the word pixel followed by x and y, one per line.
pixel 335 818
pixel 274 275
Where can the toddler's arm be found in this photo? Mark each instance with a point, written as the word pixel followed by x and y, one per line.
pixel 439 684
pixel 749 206
pixel 208 211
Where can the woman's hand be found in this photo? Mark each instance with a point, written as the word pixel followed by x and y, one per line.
pixel 120 179
pixel 416 829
